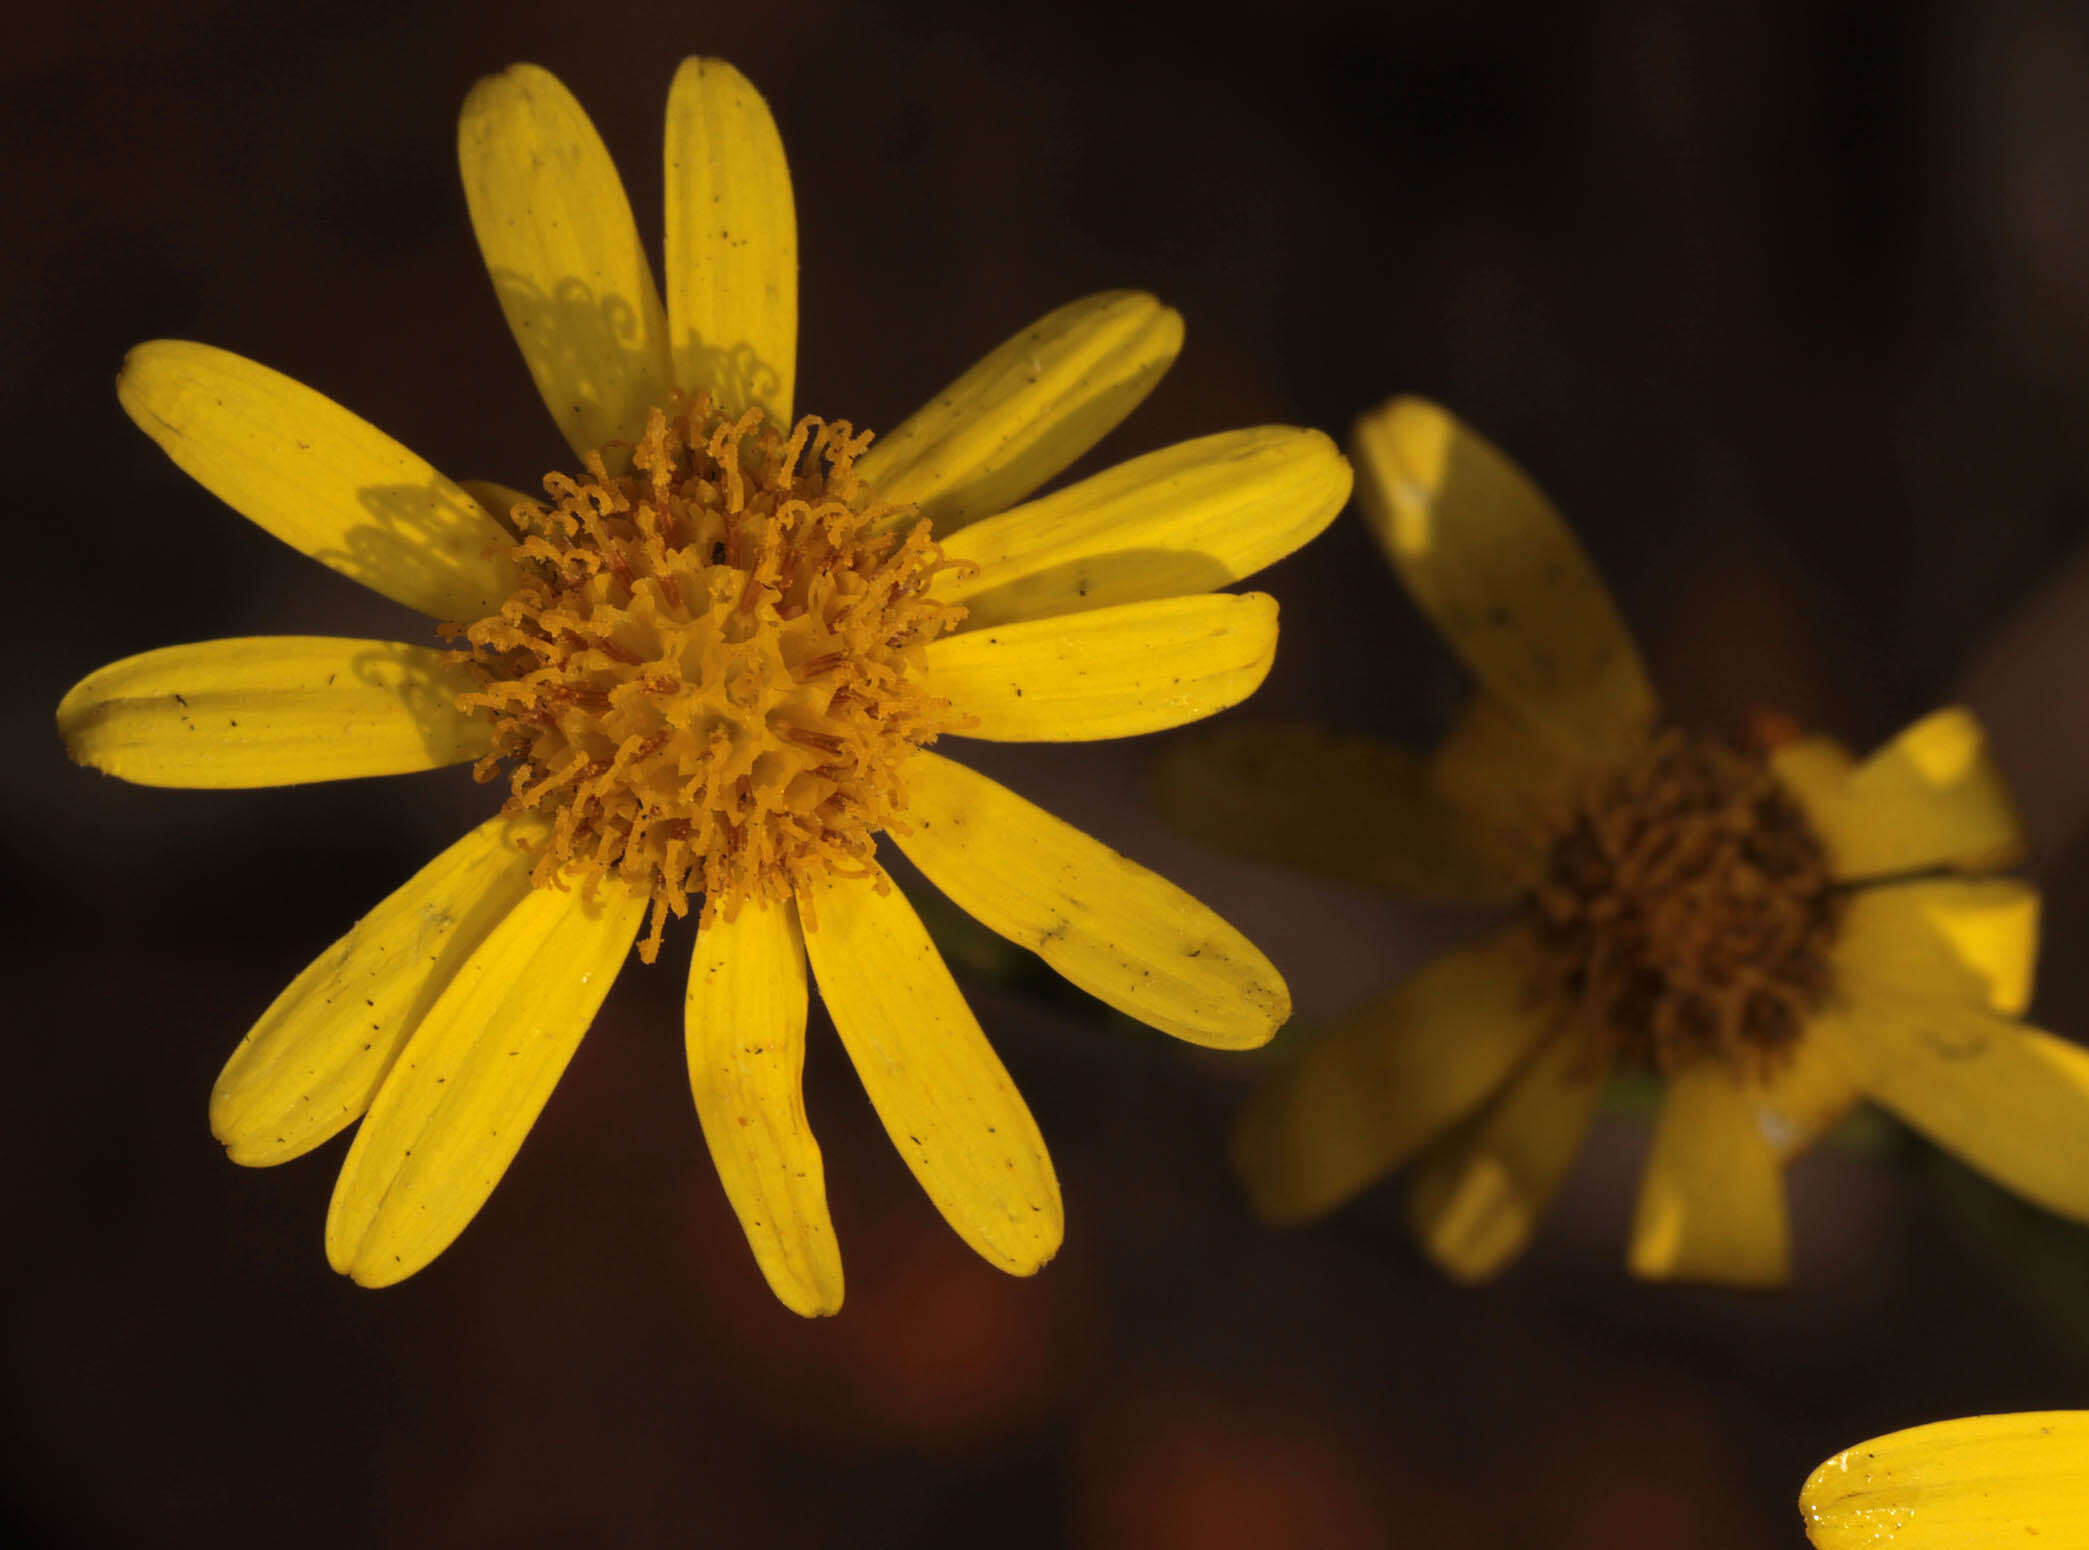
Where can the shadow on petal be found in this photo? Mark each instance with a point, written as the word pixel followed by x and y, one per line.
pixel 735 375
pixel 429 694
pixel 593 350
pixel 1096 581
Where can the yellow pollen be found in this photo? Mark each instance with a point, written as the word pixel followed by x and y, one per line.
pixel 1686 911
pixel 709 675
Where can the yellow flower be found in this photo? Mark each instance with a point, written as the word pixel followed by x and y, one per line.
pixel 1777 933
pixel 710 659
pixel 1975 1484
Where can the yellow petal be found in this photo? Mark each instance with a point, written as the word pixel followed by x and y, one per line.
pixel 1030 408
pixel 943 1094
pixel 1477 1197
pixel 2009 1100
pixel 274 710
pixel 1193 517
pixel 1978 1484
pixel 1112 672
pixel 1973 939
pixel 1807 1094
pixel 732 242
pixel 1932 797
pixel 1125 935
pixel 313 1062
pixel 1348 807
pixel 1711 1204
pixel 473 1078
pixel 557 235
pixel 1813 769
pixel 744 1027
pixel 1503 578
pixel 1388 1079
pixel 324 481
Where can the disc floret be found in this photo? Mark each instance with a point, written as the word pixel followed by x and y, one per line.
pixel 709 676
pixel 1686 911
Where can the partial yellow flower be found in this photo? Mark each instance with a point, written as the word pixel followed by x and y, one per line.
pixel 711 658
pixel 1976 1484
pixel 1777 931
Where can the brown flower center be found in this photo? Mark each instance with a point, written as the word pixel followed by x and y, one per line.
pixel 708 677
pixel 1686 911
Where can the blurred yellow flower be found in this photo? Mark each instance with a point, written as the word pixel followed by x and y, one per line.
pixel 1776 931
pixel 1975 1484
pixel 710 659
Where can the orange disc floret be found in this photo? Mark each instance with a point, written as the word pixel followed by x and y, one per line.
pixel 709 676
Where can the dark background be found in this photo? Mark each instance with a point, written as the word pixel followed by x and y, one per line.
pixel 1786 303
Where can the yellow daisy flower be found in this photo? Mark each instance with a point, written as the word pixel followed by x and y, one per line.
pixel 1975 1484
pixel 1777 934
pixel 711 659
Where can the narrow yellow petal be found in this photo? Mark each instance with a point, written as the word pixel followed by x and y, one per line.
pixel 1345 806
pixel 732 242
pixel 1125 935
pixel 1504 579
pixel 1389 1079
pixel 1808 1093
pixel 473 1078
pixel 313 1062
pixel 1193 517
pixel 1983 1483
pixel 2009 1100
pixel 1026 411
pixel 943 1094
pixel 1711 1204
pixel 1476 1198
pixel 1111 672
pixel 327 483
pixel 557 235
pixel 1972 939
pixel 1813 769
pixel 744 1026
pixel 1932 797
pixel 275 710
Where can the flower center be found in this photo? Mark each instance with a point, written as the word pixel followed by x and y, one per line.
pixel 708 677
pixel 1686 911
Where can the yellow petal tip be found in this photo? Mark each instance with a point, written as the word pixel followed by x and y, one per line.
pixel 232 1126
pixel 341 1259
pixel 374 1277
pixel 73 718
pixel 1408 444
pixel 1475 1228
pixel 813 1303
pixel 1033 1259
pixel 149 373
pixel 712 65
pixel 136 360
pixel 1141 313
pixel 347 1234
pixel 521 73
pixel 367 1263
pixel 1031 1246
pixel 1266 1008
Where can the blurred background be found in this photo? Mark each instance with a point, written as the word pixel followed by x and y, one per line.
pixel 1787 304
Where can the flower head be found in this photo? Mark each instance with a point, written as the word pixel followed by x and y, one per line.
pixel 712 670
pixel 1986 1481
pixel 1772 928
pixel 709 662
